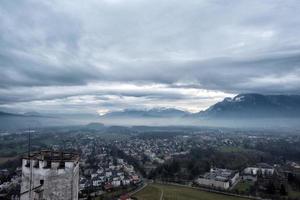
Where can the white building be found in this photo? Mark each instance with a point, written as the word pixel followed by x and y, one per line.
pixel 116 183
pixel 129 169
pixel 120 161
pixel 262 168
pixel 108 174
pixel 49 175
pixel 219 178
pixel 97 182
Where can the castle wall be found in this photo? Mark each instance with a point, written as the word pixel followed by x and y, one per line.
pixel 58 183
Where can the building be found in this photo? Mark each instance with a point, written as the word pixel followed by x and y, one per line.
pixel 219 178
pixel 49 175
pixel 263 168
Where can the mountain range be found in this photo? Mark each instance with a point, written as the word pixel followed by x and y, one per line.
pixel 243 108
pixel 255 106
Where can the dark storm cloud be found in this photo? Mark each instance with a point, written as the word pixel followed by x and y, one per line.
pixel 60 50
pixel 18 71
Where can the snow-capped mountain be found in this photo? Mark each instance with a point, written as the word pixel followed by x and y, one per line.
pixel 255 106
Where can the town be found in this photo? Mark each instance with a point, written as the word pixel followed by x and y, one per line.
pixel 247 163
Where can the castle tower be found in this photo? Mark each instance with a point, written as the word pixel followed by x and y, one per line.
pixel 48 175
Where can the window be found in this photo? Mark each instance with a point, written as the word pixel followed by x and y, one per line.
pixel 47 164
pixel 36 164
pixel 61 164
pixel 27 164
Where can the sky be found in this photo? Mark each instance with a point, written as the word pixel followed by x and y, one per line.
pixel 98 56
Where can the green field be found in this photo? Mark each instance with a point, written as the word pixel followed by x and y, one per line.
pixel 292 193
pixel 243 186
pixel 170 192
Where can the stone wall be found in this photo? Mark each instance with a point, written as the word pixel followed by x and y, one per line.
pixel 54 182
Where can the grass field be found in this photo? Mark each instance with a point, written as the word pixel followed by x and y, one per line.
pixel 293 193
pixel 243 186
pixel 170 192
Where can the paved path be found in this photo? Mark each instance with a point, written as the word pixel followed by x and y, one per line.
pixel 138 189
pixel 161 194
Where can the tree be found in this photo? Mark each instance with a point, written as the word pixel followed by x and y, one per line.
pixel 283 190
pixel 271 188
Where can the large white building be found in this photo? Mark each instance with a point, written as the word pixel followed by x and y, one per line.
pixel 262 168
pixel 49 175
pixel 218 178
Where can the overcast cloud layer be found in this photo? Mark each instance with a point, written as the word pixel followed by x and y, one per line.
pixel 102 55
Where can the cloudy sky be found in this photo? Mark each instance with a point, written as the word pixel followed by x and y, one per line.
pixel 74 56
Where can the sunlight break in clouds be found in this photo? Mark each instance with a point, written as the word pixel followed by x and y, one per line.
pixel 105 97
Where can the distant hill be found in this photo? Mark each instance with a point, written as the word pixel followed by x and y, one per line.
pixel 6 114
pixel 151 113
pixel 33 114
pixel 11 121
pixel 95 126
pixel 255 106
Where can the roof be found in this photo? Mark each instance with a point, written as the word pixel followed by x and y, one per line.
pixel 265 166
pixel 219 174
pixel 47 155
